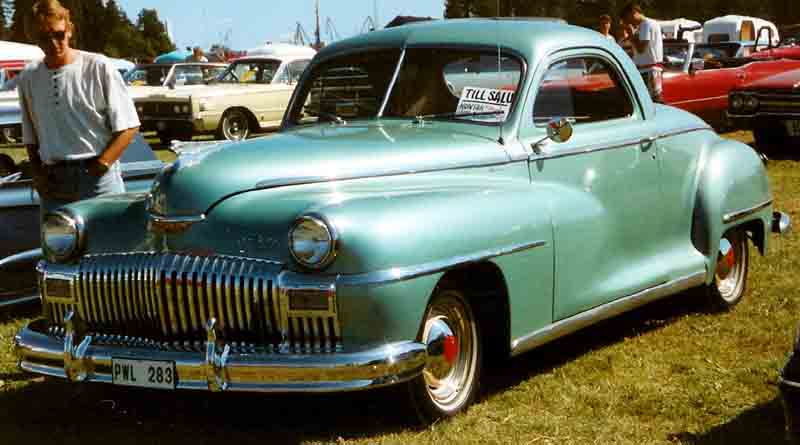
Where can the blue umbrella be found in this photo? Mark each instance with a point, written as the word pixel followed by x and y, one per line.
pixel 176 56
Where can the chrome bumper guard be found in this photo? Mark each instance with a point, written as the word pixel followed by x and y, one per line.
pixel 781 223
pixel 219 368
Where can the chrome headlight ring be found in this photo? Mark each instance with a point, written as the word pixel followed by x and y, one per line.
pixel 736 102
pixel 313 241
pixel 751 102
pixel 63 235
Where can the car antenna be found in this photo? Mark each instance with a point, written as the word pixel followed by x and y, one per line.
pixel 499 74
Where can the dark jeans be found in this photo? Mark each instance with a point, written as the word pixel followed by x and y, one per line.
pixel 70 181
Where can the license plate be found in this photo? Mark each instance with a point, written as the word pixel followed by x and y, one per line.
pixel 161 125
pixel 792 127
pixel 143 373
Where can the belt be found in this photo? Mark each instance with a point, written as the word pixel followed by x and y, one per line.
pixel 71 162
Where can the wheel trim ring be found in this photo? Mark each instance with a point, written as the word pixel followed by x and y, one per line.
pixel 235 127
pixel 448 393
pixel 730 283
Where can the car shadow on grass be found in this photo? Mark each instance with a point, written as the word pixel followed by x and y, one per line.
pixel 762 424
pixel 49 409
pixel 545 358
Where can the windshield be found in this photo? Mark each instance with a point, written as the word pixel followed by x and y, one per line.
pixel 152 76
pixel 465 85
pixel 196 74
pixel 251 71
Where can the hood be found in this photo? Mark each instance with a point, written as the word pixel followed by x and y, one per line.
pixel 198 180
pixel 785 80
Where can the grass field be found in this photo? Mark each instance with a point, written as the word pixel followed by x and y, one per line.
pixel 669 373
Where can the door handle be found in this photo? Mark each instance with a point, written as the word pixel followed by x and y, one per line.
pixel 648 140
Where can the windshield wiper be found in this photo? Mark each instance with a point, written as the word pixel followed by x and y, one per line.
pixel 421 118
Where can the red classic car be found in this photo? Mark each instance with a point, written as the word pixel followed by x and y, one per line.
pixel 770 106
pixel 701 84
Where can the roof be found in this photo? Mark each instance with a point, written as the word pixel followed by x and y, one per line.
pixel 281 50
pixel 522 35
pixel 19 51
pixel 401 20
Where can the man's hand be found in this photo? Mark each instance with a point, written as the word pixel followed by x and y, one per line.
pixel 98 167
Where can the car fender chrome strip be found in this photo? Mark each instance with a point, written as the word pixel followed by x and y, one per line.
pixel 592 148
pixel 739 214
pixel 395 274
pixel 600 313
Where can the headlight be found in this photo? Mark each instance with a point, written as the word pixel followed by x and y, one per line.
pixel 185 109
pixel 312 242
pixel 736 102
pixel 176 109
pixel 751 103
pixel 139 109
pixel 61 236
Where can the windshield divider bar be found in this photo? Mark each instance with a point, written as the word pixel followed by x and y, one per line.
pixel 391 84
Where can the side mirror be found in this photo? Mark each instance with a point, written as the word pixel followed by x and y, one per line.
pixel 559 129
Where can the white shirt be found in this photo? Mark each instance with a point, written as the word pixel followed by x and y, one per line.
pixel 650 32
pixel 72 112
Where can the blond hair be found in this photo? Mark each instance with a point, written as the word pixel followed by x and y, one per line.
pixel 46 10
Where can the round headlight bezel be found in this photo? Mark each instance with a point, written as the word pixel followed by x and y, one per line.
pixel 75 225
pixel 751 102
pixel 332 235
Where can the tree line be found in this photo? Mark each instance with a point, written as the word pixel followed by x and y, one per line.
pixel 586 12
pixel 100 26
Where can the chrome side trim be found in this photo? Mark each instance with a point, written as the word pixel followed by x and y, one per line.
pixel 395 274
pixel 22 257
pixel 608 310
pixel 392 83
pixel 739 214
pixel 159 219
pixel 592 148
pixel 138 169
pixel 30 298
pixel 304 180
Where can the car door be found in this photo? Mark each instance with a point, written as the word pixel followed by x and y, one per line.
pixel 603 184
pixel 19 219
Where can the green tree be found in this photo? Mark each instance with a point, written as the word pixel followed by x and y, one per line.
pixel 153 33
pixel 19 18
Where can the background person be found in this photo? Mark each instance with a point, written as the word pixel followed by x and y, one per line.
pixel 77 117
pixel 648 47
pixel 605 27
pixel 197 55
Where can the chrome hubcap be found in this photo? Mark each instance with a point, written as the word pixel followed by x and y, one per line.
pixel 235 126
pixel 450 335
pixel 729 268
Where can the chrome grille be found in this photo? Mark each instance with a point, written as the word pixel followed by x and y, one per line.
pixel 779 103
pixel 168 298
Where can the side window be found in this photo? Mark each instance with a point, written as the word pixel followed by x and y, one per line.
pixel 296 69
pixel 584 89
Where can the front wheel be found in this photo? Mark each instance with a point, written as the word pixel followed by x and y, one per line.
pixel 730 279
pixel 235 125
pixel 449 381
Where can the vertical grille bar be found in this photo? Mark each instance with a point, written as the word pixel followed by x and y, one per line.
pixel 249 279
pixel 191 279
pixel 239 280
pixel 169 286
pixel 159 300
pixel 180 281
pixel 229 283
pixel 220 283
pixel 201 290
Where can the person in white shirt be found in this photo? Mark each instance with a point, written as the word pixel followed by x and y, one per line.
pixel 648 47
pixel 197 55
pixel 77 116
pixel 605 27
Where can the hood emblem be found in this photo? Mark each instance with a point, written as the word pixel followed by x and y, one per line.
pixel 175 224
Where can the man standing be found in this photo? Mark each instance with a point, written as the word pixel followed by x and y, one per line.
pixel 648 48
pixel 197 55
pixel 77 117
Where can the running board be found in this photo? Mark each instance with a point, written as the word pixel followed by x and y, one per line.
pixel 606 311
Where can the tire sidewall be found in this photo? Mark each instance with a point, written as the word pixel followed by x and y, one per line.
pixel 229 115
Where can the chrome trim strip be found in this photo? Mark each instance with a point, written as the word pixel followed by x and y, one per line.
pixel 392 83
pixel 608 310
pixel 786 382
pixel 592 148
pixel 739 214
pixel 305 180
pixel 395 274
pixel 765 113
pixel 160 219
pixel 22 257
pixel 383 365
pixel 705 99
pixel 20 300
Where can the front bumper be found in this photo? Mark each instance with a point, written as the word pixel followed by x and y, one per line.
pixel 218 367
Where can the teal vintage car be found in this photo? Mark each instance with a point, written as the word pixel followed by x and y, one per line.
pixel 440 196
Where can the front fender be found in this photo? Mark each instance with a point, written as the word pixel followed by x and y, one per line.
pixel 733 190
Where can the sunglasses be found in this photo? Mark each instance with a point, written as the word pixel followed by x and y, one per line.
pixel 54 35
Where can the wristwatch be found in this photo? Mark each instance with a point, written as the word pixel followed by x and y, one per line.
pixel 102 167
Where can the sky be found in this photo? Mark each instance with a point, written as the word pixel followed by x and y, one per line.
pixel 252 23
